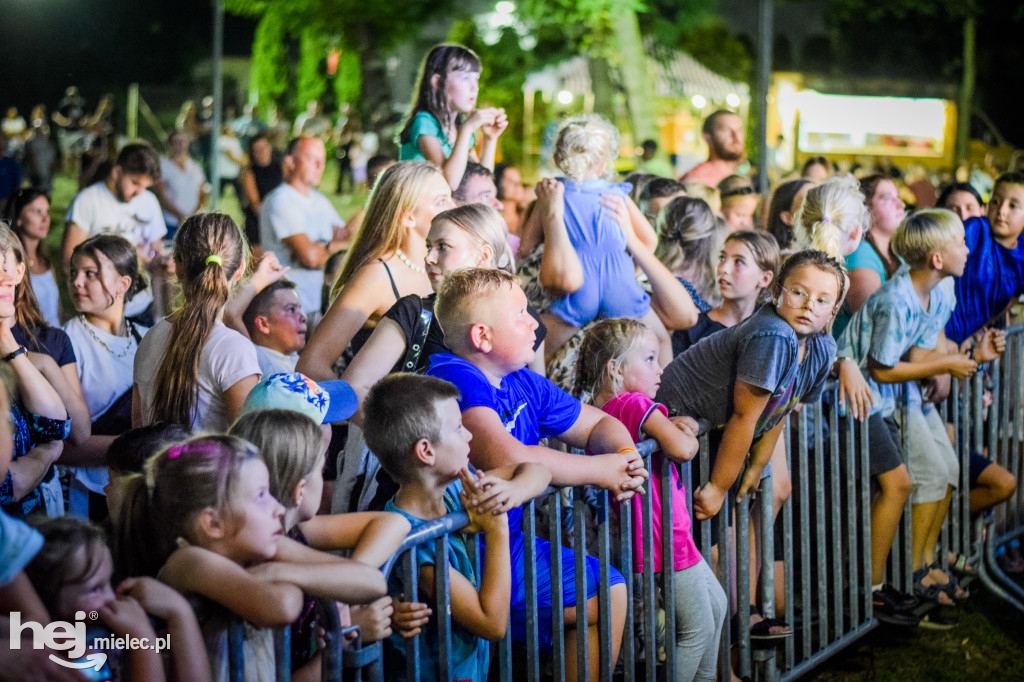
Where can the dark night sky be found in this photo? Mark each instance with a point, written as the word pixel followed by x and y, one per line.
pixel 103 45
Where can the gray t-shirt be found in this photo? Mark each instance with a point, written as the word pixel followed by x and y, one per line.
pixel 762 351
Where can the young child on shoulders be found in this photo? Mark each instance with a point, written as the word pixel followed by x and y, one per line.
pixel 619 368
pixel 508 409
pixel 72 573
pixel 220 528
pixel 444 118
pixel 896 337
pixel 586 147
pixel 424 447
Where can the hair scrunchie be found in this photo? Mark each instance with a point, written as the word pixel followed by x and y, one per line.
pixel 214 259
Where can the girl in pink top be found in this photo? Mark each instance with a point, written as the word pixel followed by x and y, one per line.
pixel 619 372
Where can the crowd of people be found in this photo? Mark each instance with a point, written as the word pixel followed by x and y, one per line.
pixel 322 386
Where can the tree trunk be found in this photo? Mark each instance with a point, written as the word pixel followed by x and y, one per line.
pixel 636 79
pixel 603 87
pixel 376 103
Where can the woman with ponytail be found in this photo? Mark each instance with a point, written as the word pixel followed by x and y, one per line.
pixel 190 368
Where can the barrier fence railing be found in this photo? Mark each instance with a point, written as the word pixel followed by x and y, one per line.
pixel 824 534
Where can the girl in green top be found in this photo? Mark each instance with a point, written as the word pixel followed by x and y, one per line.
pixel 441 126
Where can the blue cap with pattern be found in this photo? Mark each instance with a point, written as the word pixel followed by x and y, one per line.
pixel 324 402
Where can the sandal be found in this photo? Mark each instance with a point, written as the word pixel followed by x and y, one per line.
pixel 952 588
pixel 762 630
pixel 932 593
pixel 958 564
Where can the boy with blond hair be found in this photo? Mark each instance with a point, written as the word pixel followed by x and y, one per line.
pixel 896 337
pixel 423 446
pixel 508 409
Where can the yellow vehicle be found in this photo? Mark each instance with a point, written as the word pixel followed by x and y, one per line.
pixel 858 128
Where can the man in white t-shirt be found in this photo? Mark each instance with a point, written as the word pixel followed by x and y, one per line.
pixel 299 224
pixel 121 205
pixel 277 326
pixel 182 186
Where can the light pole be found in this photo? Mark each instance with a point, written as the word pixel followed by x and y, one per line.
pixel 218 98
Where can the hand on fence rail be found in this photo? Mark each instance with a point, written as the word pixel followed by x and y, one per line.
pixel 410 617
pixel 854 391
pixel 990 346
pixel 373 619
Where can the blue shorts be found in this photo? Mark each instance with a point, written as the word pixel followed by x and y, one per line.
pixel 568 585
pixel 977 465
pixel 609 289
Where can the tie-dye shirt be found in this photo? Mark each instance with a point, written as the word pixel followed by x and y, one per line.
pixel 891 323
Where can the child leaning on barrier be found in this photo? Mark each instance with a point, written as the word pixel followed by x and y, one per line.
pixel 72 574
pixel 423 446
pixel 288 420
pixel 508 409
pixel 745 379
pixel 618 368
pixel 897 336
pixel 212 516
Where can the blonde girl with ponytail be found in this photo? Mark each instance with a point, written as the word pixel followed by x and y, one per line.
pixel 190 368
pixel 832 218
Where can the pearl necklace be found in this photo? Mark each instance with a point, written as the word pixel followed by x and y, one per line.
pixel 408 263
pixel 127 349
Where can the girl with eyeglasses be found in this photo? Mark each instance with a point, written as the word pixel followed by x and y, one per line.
pixel 745 379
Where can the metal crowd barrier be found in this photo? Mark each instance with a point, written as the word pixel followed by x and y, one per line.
pixel 1005 447
pixel 826 543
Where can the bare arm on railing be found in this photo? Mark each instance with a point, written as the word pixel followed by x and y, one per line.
pixel 373 536
pixel 760 454
pixel 505 488
pixel 483 610
pixel 676 436
pixel 621 473
pixel 264 602
pixel 188 650
pixel 322 574
pixel 749 402
pixel 921 364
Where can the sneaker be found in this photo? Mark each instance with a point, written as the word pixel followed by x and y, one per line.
pixel 887 611
pixel 901 601
pixel 937 620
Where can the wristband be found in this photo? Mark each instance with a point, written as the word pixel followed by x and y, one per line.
pixel 624 450
pixel 20 350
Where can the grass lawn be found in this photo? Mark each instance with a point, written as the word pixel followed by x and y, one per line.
pixel 988 645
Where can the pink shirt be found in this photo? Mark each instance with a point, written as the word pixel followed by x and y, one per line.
pixel 633 409
pixel 710 173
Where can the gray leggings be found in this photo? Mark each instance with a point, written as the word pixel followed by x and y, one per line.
pixel 701 608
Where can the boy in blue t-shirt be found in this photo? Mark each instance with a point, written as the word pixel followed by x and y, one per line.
pixel 897 337
pixel 508 409
pixel 994 274
pixel 424 447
